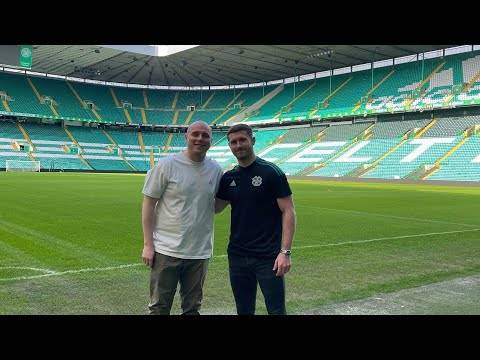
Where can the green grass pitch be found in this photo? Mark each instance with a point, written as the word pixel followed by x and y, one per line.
pixel 71 243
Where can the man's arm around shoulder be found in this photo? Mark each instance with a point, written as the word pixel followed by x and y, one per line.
pixel 220 205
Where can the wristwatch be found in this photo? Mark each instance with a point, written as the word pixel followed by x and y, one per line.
pixel 286 252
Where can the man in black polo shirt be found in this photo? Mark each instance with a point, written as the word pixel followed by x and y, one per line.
pixel 262 225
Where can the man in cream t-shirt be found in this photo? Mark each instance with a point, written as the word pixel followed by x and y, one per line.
pixel 177 216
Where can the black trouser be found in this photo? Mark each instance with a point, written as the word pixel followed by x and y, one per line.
pixel 245 272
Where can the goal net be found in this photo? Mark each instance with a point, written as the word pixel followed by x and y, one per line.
pixel 22 166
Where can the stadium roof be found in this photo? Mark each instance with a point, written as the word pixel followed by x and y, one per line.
pixel 208 65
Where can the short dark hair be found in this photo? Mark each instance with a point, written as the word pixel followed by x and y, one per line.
pixel 240 127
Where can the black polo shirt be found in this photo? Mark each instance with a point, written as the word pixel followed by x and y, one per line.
pixel 256 219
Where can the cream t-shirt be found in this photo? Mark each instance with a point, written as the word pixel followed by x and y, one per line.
pixel 184 213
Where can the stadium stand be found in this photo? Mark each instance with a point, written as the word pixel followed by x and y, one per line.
pixel 426 139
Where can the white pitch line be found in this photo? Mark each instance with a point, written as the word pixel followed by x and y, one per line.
pixel 52 273
pixel 384 238
pixel 70 272
pixel 28 268
pixel 364 213
pixel 372 240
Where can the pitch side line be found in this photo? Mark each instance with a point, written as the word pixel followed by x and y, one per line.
pixel 363 213
pixel 28 268
pixel 384 238
pixel 51 273
pixel 66 272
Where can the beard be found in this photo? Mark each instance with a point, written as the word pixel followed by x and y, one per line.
pixel 243 155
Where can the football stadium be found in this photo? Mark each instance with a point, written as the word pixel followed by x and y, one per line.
pixel 380 143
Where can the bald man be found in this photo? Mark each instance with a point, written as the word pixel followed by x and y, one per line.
pixel 177 218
